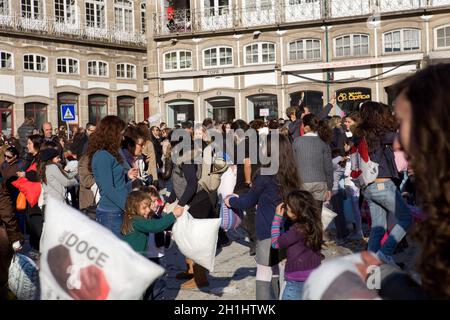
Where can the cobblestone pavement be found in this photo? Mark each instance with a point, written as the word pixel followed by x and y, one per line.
pixel 235 270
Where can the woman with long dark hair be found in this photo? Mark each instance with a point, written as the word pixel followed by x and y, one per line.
pixel 113 181
pixel 267 192
pixel 34 216
pixel 422 109
pixel 378 127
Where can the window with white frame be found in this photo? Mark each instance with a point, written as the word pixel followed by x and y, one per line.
pixel 143 19
pixel 95 13
pixel 304 49
pixel 126 71
pixel 67 65
pixel 97 68
pixel 65 11
pixel 178 60
pixel 32 9
pixel 353 45
pixel 258 53
pixel 218 57
pixel 443 37
pixel 4 7
pixel 401 40
pixel 123 15
pixel 6 60
pixel 34 62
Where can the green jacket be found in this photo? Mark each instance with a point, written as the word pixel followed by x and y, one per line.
pixel 138 238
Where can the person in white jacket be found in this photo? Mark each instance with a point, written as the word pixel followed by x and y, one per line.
pixel 54 179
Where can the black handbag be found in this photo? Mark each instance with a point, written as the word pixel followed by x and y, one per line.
pixel 91 211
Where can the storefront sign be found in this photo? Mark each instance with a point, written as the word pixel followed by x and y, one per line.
pixel 352 96
pixel 181 117
pixel 264 112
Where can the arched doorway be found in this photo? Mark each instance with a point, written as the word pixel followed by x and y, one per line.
pixel 180 111
pixel 350 99
pixel 67 98
pixel 7 123
pixel 125 108
pixel 37 111
pixel 98 106
pixel 221 109
pixel 311 99
pixel 262 106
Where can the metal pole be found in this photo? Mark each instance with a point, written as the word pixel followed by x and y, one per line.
pixel 327 51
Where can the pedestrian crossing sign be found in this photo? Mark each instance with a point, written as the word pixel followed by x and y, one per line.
pixel 68 112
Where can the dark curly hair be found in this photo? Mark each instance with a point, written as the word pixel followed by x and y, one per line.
pixel 320 126
pixel 429 152
pixel 108 137
pixel 377 119
pixel 307 219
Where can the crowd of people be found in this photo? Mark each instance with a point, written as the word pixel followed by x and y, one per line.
pixel 124 176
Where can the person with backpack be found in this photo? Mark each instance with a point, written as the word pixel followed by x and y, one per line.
pixel 378 129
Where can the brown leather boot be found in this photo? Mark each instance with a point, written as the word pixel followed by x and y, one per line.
pixel 189 273
pixel 200 279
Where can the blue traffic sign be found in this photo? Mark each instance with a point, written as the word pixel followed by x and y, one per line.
pixel 68 112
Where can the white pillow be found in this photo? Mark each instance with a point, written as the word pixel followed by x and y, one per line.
pixel 82 260
pixel 197 238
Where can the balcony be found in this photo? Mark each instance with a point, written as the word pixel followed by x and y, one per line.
pixel 225 18
pixel 49 27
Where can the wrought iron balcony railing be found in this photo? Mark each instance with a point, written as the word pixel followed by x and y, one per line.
pixel 51 27
pixel 278 12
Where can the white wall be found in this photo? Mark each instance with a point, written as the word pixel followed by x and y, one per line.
pixel 178 85
pixel 400 70
pixel 315 76
pixel 126 86
pixel 260 79
pixel 36 86
pixel 218 82
pixel 352 74
pixel 67 82
pixel 95 84
pixel 8 85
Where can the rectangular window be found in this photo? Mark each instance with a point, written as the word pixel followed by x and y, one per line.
pixel 33 62
pixel 402 40
pixel 4 7
pixel 144 71
pixel 65 11
pixel 305 49
pixel 352 45
pixel 67 65
pixel 102 69
pixel 92 68
pixel 123 15
pixel 251 54
pixel 178 60
pixel 32 9
pixel 95 14
pixel 443 37
pixel 126 71
pixel 143 20
pixel 5 60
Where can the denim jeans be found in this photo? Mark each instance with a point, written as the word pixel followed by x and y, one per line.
pixel 293 290
pixel 383 199
pixel 110 219
pixel 337 202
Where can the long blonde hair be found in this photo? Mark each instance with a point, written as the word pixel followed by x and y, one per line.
pixel 132 206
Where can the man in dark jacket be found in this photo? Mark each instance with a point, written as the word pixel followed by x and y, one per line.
pixel 24 131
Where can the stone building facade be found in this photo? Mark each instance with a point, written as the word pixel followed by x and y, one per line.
pixel 90 53
pixel 249 59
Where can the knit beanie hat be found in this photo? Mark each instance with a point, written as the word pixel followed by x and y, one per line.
pixel 48 154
